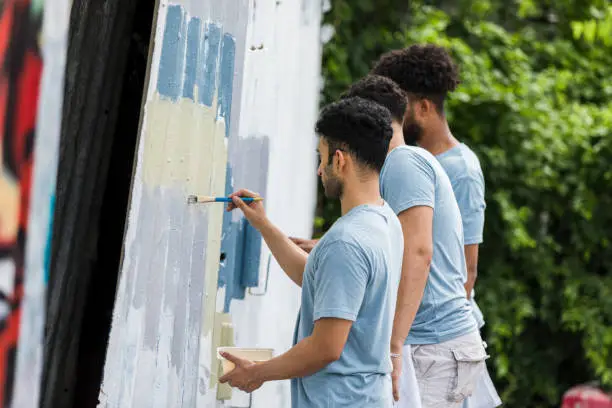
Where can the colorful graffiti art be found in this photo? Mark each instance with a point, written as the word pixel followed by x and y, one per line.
pixel 20 74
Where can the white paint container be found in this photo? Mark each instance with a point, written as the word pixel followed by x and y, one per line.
pixel 256 355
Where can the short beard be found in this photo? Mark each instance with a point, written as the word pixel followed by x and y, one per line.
pixel 412 133
pixel 333 187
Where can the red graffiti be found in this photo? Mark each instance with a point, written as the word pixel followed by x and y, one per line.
pixel 20 73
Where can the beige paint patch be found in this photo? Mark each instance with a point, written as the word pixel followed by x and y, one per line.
pixel 178 145
pixel 215 224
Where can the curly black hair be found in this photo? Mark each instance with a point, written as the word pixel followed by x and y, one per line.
pixel 358 126
pixel 421 70
pixel 381 90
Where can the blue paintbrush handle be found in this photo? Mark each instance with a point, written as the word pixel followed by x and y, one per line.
pixel 229 200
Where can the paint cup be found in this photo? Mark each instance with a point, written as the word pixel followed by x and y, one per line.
pixel 256 355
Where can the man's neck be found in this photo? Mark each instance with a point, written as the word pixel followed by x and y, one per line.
pixel 360 193
pixel 398 136
pixel 438 139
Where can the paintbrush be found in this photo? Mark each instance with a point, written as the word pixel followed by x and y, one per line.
pixel 193 199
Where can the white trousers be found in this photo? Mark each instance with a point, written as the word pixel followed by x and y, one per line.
pixel 485 395
pixel 452 374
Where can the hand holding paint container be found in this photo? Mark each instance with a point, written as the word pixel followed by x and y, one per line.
pixel 256 355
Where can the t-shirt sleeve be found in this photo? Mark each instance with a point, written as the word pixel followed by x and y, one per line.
pixel 469 192
pixel 408 181
pixel 340 281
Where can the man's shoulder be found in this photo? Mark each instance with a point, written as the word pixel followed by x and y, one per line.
pixel 407 159
pixel 461 165
pixel 339 238
pixel 412 153
pixel 471 162
pixel 359 233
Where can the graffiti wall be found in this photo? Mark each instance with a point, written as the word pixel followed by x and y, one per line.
pixel 30 102
pixel 231 102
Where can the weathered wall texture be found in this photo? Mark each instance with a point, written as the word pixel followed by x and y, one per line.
pixel 30 116
pixel 231 103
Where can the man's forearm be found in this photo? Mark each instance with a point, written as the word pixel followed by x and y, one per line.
pixel 302 360
pixel 288 255
pixel 472 274
pixel 415 270
pixel 471 262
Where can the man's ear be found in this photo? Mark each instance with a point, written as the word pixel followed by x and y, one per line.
pixel 426 107
pixel 423 107
pixel 340 159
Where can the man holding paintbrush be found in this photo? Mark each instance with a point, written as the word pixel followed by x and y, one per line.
pixel 349 282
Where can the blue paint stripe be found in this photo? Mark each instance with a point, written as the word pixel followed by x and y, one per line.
pixel 226 79
pixel 191 58
pixel 238 290
pixel 207 74
pixel 172 61
pixel 250 259
pixel 233 244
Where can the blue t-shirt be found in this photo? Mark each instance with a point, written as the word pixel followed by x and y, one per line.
pixel 353 273
pixel 463 169
pixel 413 177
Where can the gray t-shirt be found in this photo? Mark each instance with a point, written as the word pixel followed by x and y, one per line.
pixel 353 274
pixel 413 177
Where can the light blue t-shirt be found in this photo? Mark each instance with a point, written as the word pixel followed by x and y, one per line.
pixel 413 177
pixel 353 273
pixel 463 169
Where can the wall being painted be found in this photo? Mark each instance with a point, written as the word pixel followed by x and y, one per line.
pixel 231 102
pixel 30 120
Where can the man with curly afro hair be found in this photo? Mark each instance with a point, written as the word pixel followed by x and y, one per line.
pixel 427 74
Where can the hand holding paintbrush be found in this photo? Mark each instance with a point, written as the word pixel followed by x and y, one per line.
pixel 251 206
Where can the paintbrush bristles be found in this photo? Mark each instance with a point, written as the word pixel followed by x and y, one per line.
pixel 192 199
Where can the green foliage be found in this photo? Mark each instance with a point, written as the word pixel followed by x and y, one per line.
pixel 535 104
pixel 599 28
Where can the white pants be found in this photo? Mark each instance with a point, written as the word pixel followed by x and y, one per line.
pixel 442 375
pixel 485 395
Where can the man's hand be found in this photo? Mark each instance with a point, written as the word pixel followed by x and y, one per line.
pixel 396 374
pixel 305 244
pixel 243 376
pixel 254 211
pixel 288 255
